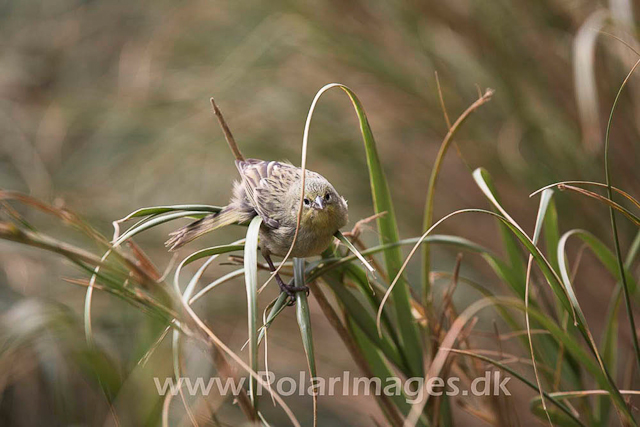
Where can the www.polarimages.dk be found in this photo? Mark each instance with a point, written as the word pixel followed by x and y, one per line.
pixel 492 383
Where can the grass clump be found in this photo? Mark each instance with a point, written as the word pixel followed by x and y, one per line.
pixel 389 322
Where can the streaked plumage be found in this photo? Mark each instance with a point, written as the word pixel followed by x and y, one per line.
pixel 272 190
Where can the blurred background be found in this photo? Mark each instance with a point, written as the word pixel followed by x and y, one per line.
pixel 104 108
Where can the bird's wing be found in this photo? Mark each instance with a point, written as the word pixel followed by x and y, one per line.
pixel 266 184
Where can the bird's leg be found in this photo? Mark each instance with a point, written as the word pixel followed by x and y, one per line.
pixel 283 286
pixel 289 289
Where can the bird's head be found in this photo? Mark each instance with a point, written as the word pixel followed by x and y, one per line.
pixel 322 205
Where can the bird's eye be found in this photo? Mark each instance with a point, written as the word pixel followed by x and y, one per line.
pixel 306 202
pixel 327 197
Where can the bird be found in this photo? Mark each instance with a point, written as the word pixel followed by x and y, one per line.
pixel 272 190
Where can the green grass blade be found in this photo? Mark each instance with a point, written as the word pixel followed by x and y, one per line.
pixel 480 176
pixel 251 282
pixel 214 250
pixel 551 234
pixel 607 361
pixel 495 262
pixel 88 330
pixel 353 249
pixel 208 252
pixel 614 226
pixel 304 323
pixel 545 202
pixel 227 277
pixel 599 249
pixel 542 210
pixel 568 340
pixel 388 233
pixel 152 223
pixel 157 210
pixel 511 246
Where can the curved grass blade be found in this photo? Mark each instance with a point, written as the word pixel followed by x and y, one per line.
pixel 599 249
pixel 614 226
pixel 251 282
pixel 484 181
pixel 480 176
pixel 584 48
pixel 153 211
pixel 626 212
pixel 388 232
pixel 597 184
pixel 214 250
pixel 353 249
pixel 232 275
pixel 157 210
pixel 184 297
pixel 542 209
pixel 551 234
pixel 188 291
pixel 88 298
pixel 514 253
pixel 495 262
pixel 304 323
pixel 154 222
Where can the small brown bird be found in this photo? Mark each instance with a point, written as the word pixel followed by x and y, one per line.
pixel 272 190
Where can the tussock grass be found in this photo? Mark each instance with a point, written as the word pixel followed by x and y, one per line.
pixel 387 329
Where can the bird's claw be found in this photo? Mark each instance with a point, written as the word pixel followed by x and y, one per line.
pixel 291 300
pixel 291 292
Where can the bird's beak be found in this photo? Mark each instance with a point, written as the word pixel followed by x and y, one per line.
pixel 319 204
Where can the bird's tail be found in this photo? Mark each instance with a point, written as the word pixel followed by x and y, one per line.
pixel 196 229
